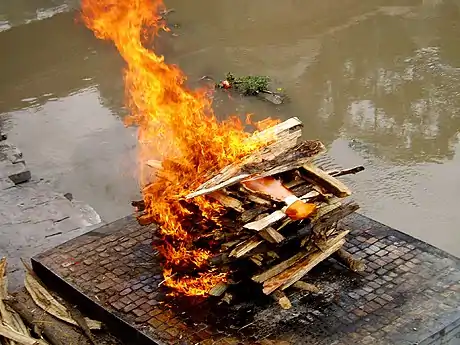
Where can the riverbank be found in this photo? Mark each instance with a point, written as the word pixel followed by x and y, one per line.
pixel 34 217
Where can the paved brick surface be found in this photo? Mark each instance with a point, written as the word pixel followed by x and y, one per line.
pixel 409 293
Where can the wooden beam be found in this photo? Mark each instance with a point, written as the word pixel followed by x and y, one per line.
pixel 303 265
pixel 281 154
pixel 279 268
pixel 325 181
pixel 349 261
pixel 271 235
pixel 246 246
pixel 227 201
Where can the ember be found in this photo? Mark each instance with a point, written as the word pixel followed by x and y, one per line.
pixel 219 194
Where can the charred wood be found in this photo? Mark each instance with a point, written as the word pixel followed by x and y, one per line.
pixel 349 261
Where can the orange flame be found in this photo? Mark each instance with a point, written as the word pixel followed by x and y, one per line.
pixel 176 125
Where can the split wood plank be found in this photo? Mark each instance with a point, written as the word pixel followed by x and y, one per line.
pixel 322 179
pixel 312 261
pixel 271 235
pixel 218 290
pixel 282 154
pixel 303 264
pixel 279 268
pixel 246 246
pixel 227 201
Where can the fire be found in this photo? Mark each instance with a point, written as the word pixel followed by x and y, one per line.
pixel 177 126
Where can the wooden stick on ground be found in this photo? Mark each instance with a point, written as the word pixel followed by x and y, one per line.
pixel 282 299
pixel 306 287
pixel 349 261
pixel 33 322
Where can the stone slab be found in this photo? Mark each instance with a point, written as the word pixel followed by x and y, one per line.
pixel 12 164
pixel 409 293
pixel 34 218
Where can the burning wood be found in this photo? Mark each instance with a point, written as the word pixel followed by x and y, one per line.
pixel 220 197
pixel 274 200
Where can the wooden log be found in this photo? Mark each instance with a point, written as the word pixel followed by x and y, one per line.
pixel 285 133
pixel 327 221
pixel 227 298
pixel 34 323
pixel 281 155
pixel 218 290
pixel 325 181
pixel 279 268
pixel 258 200
pixel 352 171
pixel 301 267
pixel 257 259
pixel 324 209
pixel 265 222
pixel 229 245
pixel 286 130
pixel 311 262
pixel 282 299
pixel 246 246
pixel 227 201
pixel 267 164
pixel 349 261
pixel 271 235
pixel 252 213
pixel 306 286
pixel 300 189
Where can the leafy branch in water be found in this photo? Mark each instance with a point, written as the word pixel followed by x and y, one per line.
pixel 248 85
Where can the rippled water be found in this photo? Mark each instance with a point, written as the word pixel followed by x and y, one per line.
pixel 377 81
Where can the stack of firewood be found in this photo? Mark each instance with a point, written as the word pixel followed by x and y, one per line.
pixel 259 225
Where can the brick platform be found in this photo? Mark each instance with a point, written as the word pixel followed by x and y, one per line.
pixel 408 295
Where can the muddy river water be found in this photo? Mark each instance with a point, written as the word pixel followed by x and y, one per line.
pixel 377 81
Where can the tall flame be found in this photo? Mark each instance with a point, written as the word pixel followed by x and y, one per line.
pixel 175 125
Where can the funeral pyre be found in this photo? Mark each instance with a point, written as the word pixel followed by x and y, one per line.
pixel 218 193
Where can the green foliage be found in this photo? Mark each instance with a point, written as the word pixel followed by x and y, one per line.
pixel 248 85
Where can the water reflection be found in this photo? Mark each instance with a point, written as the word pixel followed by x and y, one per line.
pixel 50 59
pixel 380 83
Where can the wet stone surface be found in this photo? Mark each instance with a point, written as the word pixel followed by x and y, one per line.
pixel 13 169
pixel 409 293
pixel 33 217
